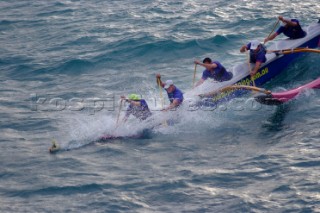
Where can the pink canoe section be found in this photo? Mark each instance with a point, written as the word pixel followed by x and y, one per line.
pixel 288 95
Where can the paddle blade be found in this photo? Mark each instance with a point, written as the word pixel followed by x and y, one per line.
pixel 54 147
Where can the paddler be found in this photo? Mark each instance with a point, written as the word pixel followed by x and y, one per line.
pixel 291 28
pixel 138 107
pixel 257 54
pixel 214 70
pixel 174 94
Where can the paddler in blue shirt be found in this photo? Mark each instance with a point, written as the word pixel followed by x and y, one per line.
pixel 291 29
pixel 215 70
pixel 257 54
pixel 174 94
pixel 137 107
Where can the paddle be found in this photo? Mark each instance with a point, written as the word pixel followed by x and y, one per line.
pixel 120 106
pixel 194 75
pixel 248 60
pixel 161 97
pixel 233 87
pixel 160 92
pixel 274 27
pixel 295 50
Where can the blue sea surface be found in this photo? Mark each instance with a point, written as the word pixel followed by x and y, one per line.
pixel 64 65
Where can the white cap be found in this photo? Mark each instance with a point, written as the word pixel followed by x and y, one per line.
pixel 254 44
pixel 168 84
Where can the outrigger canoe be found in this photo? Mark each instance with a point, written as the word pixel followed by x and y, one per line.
pixel 274 65
pixel 145 133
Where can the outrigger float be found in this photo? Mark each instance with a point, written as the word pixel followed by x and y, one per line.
pixel 277 98
pixel 277 61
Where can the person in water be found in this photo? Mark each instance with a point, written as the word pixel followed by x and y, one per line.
pixel 137 107
pixel 174 94
pixel 214 70
pixel 257 54
pixel 291 29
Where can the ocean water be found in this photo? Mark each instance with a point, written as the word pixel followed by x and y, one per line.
pixel 65 63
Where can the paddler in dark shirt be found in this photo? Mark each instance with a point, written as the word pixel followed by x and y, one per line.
pixel 137 107
pixel 174 94
pixel 214 70
pixel 257 54
pixel 291 29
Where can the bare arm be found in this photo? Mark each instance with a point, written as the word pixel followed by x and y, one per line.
pixel 287 21
pixel 158 77
pixel 256 68
pixel 200 82
pixel 174 104
pixel 271 37
pixel 243 48
pixel 207 66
